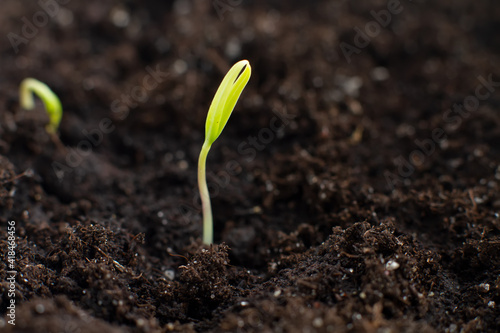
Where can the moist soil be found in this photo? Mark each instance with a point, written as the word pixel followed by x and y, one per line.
pixel 354 189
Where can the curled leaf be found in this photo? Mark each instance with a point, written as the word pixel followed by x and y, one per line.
pixel 225 99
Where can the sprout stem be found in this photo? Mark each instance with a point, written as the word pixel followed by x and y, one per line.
pixel 208 233
pixel 219 112
pixel 30 86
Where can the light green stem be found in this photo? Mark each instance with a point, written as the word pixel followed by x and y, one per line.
pixel 30 86
pixel 208 233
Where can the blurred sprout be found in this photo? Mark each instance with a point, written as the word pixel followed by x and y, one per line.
pixel 30 87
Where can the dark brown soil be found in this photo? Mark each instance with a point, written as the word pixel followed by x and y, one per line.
pixel 356 187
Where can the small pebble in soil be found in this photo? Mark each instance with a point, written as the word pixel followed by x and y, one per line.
pixel 391 265
pixel 379 74
pixel 269 186
pixel 350 85
pixel 169 274
pixel 183 165
pixel 39 308
pixel 317 322
pixel 233 48
pixel 180 67
pixel 256 210
pixel 120 17
pixel 485 287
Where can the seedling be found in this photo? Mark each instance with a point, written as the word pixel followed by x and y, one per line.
pixel 221 108
pixel 30 86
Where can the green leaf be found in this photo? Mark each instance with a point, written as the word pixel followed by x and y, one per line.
pixel 225 99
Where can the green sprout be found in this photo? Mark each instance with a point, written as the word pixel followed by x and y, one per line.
pixel 221 108
pixel 30 86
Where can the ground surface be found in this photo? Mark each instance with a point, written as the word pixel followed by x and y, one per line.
pixel 355 188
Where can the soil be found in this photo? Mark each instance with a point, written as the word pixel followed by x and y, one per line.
pixel 356 187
